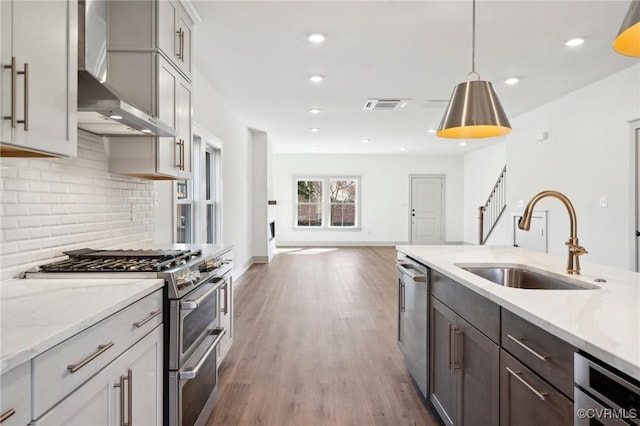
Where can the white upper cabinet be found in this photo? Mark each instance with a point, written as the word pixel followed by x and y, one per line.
pixel 38 52
pixel 150 61
pixel 174 34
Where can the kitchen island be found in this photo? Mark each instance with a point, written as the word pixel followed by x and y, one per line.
pixel 604 322
pixel 508 355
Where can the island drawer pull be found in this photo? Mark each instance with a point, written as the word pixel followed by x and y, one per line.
pixel 151 316
pixel 7 414
pixel 536 354
pixel 516 374
pixel 101 349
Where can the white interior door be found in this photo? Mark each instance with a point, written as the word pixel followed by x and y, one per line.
pixel 427 210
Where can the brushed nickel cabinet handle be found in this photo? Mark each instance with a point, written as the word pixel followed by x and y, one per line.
pixel 122 399
pixel 14 77
pixel 181 45
pixel 179 54
pixel 457 335
pixel 402 305
pixel 225 287
pixel 182 153
pixel 179 155
pixel 519 340
pixel 4 416
pixel 129 397
pixel 25 121
pixel 101 349
pixel 151 316
pixel 517 374
pixel 451 349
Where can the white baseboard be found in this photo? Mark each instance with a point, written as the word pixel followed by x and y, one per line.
pixel 260 259
pixel 339 243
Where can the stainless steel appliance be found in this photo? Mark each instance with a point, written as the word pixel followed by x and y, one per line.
pixel 413 297
pixel 191 323
pixel 604 396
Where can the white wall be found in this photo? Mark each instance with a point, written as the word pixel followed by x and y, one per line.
pixel 259 194
pixel 481 170
pixel 384 195
pixel 213 113
pixel 587 155
pixel 55 205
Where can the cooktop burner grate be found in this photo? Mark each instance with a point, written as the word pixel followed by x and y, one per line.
pixel 87 260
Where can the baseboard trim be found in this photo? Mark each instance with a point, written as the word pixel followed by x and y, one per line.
pixel 260 259
pixel 284 244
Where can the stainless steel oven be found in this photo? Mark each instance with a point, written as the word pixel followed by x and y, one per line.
pixel 191 387
pixel 191 320
pixel 604 396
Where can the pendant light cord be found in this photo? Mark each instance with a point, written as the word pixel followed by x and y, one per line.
pixel 473 41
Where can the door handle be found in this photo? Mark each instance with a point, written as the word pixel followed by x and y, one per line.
pixel 637 233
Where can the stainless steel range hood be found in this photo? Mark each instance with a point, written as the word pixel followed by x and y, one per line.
pixel 101 109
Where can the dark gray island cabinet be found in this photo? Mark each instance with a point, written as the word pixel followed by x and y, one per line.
pixel 488 366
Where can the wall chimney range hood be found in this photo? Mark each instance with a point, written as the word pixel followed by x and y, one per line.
pixel 101 109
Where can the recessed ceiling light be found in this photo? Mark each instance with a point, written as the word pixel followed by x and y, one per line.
pixel 315 110
pixel 433 130
pixel 511 81
pixel 115 117
pixel 463 144
pixel 314 129
pixel 316 37
pixel 574 42
pixel 314 147
pixel 403 148
pixel 316 78
pixel 366 140
pixel 146 131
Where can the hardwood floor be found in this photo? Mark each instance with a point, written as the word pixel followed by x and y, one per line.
pixel 315 344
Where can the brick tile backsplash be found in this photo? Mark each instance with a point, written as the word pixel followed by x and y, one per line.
pixel 48 206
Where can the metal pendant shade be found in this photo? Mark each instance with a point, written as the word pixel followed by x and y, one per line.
pixel 628 40
pixel 474 110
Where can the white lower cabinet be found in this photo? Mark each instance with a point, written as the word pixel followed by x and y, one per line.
pixel 127 391
pixel 15 396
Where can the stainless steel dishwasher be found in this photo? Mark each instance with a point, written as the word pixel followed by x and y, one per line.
pixel 413 326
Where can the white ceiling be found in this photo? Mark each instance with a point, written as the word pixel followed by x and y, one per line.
pixel 257 56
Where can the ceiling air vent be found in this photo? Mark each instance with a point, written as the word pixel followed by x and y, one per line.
pixel 385 104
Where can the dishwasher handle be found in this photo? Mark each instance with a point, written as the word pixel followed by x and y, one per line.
pixel 405 268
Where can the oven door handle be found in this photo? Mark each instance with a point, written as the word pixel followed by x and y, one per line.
pixel 191 373
pixel 190 305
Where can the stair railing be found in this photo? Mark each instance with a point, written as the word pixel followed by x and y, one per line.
pixel 490 212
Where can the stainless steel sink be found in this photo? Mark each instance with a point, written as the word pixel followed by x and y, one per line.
pixel 525 278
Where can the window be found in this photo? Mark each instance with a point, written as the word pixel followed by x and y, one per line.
pixel 331 202
pixel 206 189
pixel 211 201
pixel 184 212
pixel 309 203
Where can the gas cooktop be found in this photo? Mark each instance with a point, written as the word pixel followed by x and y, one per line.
pixel 89 260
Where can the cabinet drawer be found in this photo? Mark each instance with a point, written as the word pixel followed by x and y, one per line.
pixel 15 401
pixel 547 355
pixel 526 399
pixel 99 345
pixel 476 309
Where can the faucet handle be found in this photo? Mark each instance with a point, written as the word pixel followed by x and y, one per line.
pixel 576 249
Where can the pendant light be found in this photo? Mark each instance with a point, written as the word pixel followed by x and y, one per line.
pixel 474 110
pixel 628 40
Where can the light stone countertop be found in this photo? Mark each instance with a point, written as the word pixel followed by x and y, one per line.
pixel 37 314
pixel 604 322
